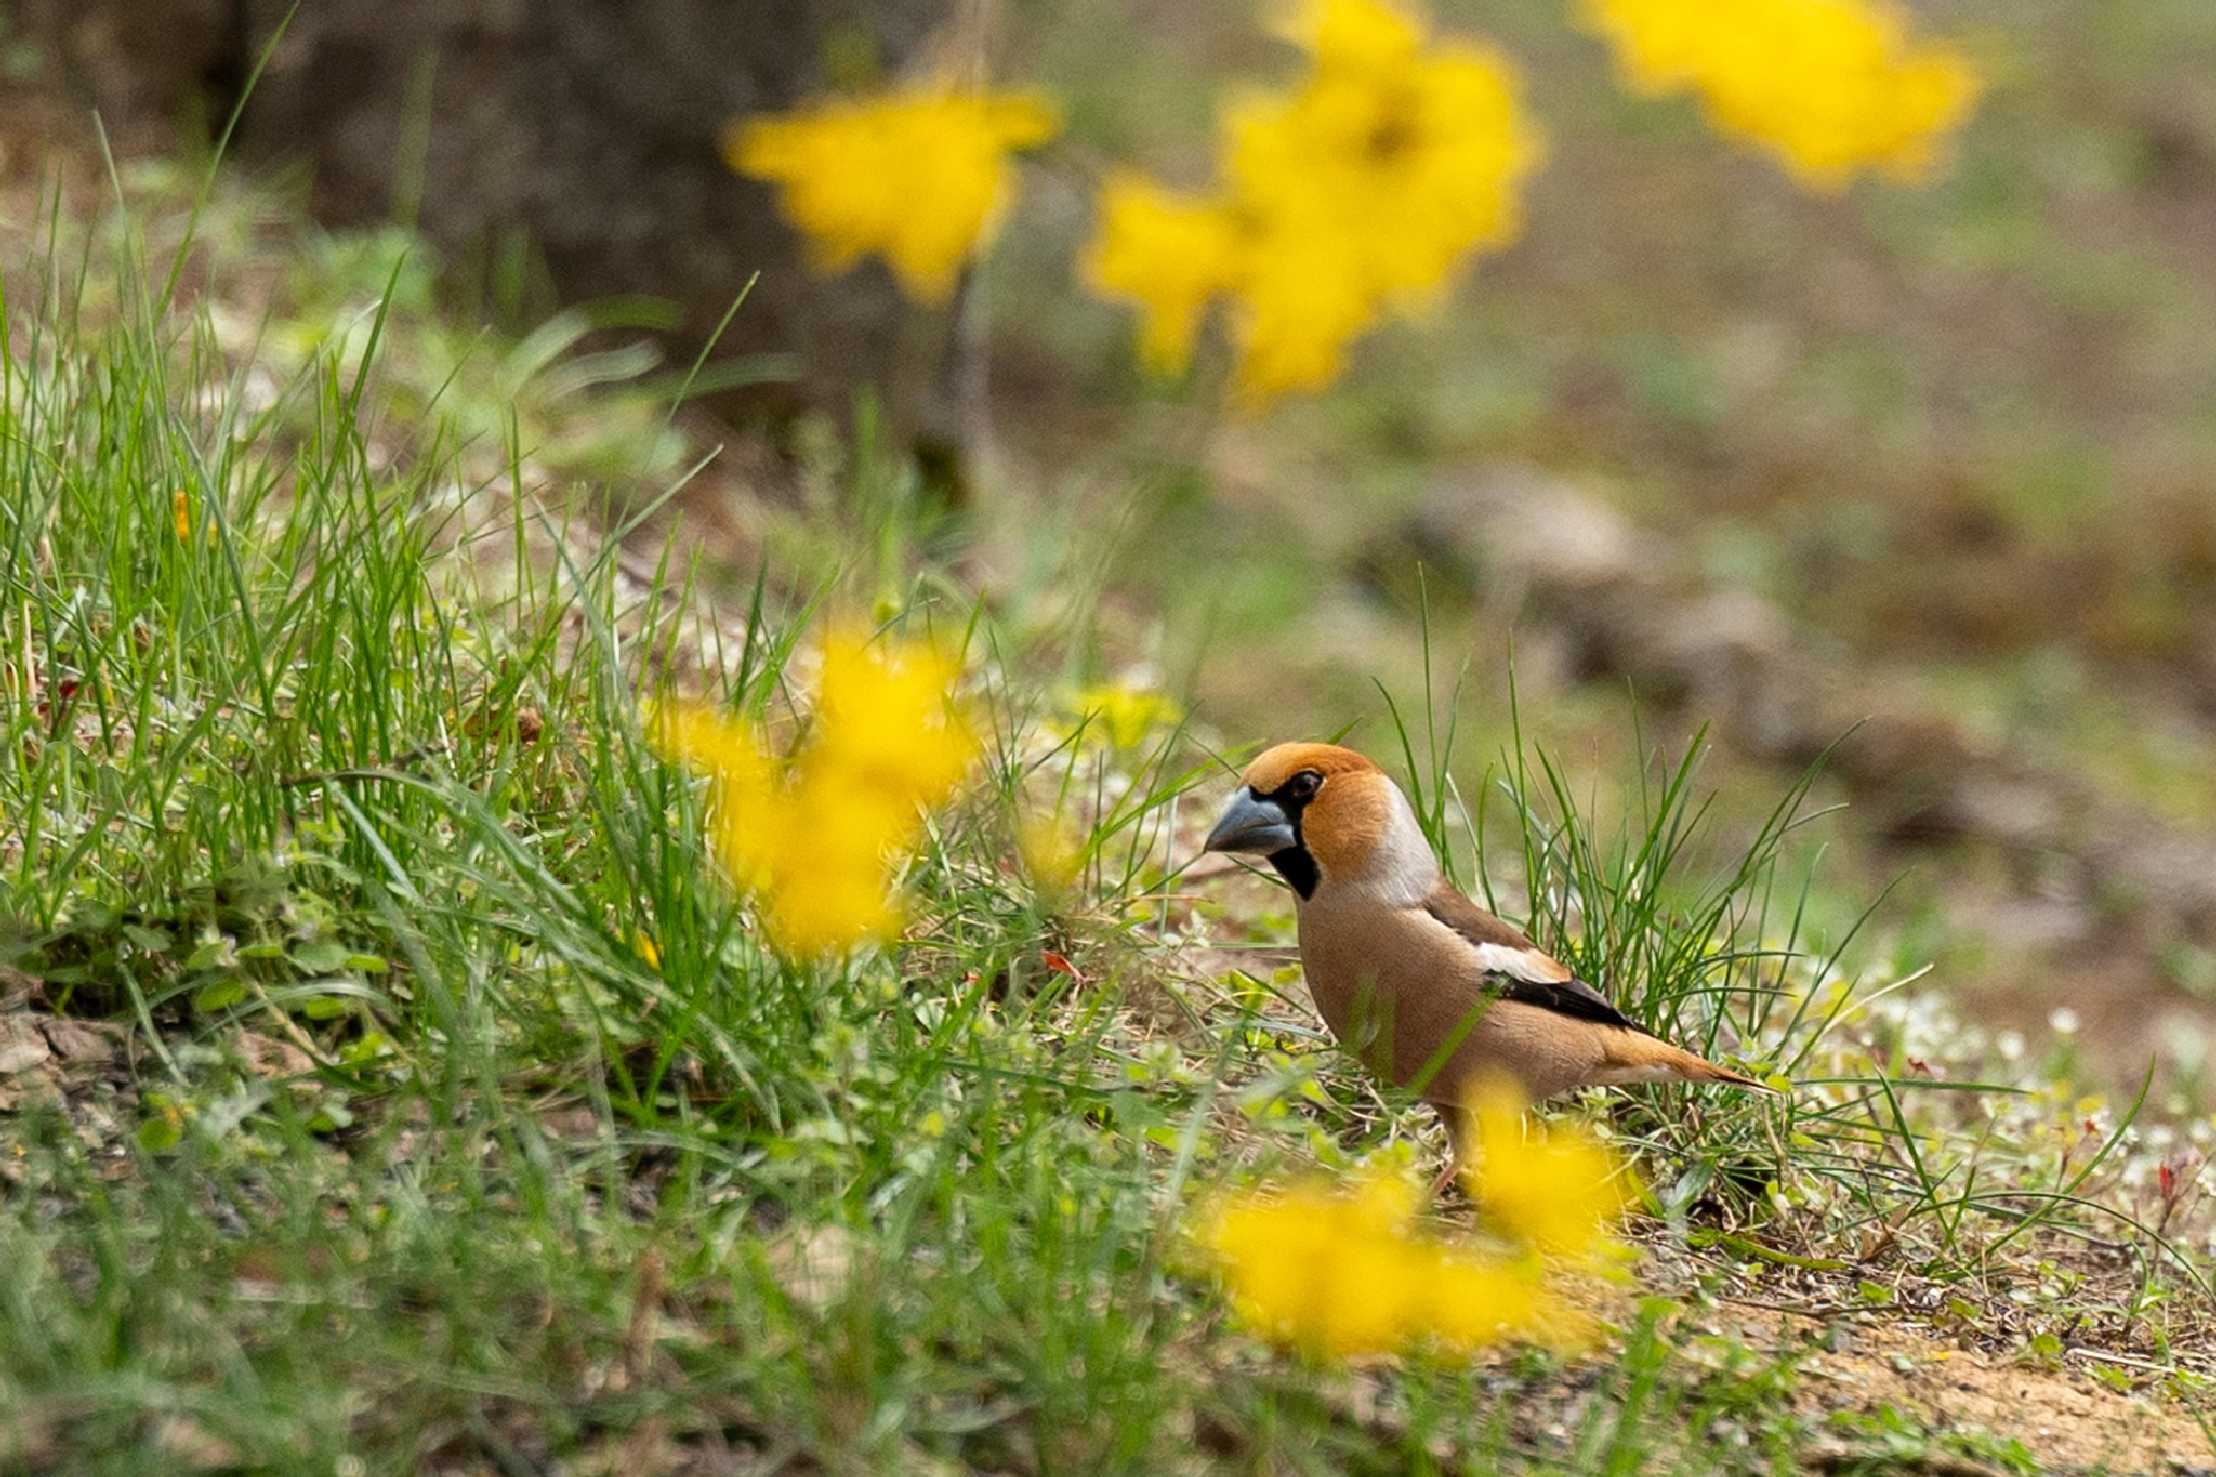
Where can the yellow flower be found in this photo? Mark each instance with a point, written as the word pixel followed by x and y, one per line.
pixel 1361 190
pixel 1558 1191
pixel 1301 305
pixel 1319 1269
pixel 644 947
pixel 1051 853
pixel 741 783
pixel 1827 87
pixel 918 176
pixel 1660 47
pixel 821 913
pixel 817 839
pixel 1359 36
pixel 180 513
pixel 1168 253
pixel 1411 166
pixel 1339 1273
pixel 887 712
pixel 1477 1302
pixel 705 740
pixel 1121 717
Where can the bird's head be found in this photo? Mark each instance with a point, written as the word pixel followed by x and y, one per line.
pixel 1322 814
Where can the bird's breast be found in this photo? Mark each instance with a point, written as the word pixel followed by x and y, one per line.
pixel 1385 982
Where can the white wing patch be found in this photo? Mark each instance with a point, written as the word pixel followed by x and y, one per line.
pixel 1523 964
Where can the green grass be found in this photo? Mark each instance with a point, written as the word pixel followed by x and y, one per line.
pixel 393 1151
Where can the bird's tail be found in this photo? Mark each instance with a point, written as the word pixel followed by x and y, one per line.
pixel 1653 1060
pixel 1699 1069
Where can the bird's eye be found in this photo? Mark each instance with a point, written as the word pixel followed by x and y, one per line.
pixel 1305 784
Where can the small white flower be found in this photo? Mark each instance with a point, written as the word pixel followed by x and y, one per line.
pixel 2063 1022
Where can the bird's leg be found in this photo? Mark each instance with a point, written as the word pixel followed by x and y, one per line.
pixel 1450 1114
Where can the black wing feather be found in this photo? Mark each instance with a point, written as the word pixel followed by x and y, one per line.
pixel 1570 997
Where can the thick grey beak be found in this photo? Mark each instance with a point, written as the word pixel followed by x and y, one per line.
pixel 1251 823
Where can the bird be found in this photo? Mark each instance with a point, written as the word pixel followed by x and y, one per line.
pixel 1427 988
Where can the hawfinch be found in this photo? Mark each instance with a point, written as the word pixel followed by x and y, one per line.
pixel 1425 986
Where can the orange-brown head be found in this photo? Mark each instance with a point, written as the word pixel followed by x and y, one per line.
pixel 1321 813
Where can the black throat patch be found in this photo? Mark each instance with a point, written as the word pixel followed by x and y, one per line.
pixel 1298 868
pixel 1295 863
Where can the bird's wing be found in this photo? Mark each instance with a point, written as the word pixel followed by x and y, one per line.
pixel 1518 969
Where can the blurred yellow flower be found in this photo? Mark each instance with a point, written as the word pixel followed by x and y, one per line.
pixel 1344 1272
pixel 1361 37
pixel 1168 253
pixel 885 712
pixel 815 839
pixel 180 514
pixel 741 783
pixel 1120 716
pixel 835 897
pixel 1339 1273
pixel 1370 185
pixel 1051 853
pixel 918 176
pixel 1827 87
pixel 1478 1301
pixel 1558 1190
pixel 704 739
pixel 1296 322
pixel 1358 191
